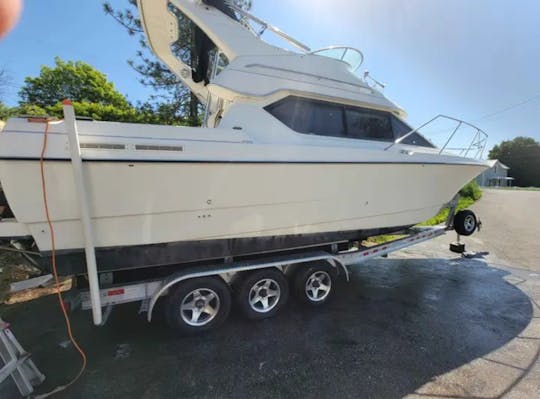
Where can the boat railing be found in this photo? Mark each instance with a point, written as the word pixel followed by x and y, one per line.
pixel 471 149
pixel 246 18
pixel 350 55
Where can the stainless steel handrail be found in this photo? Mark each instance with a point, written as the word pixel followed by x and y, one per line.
pixel 478 141
pixel 265 25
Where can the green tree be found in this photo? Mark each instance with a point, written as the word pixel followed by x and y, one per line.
pixel 77 81
pixel 92 95
pixel 26 109
pixel 522 155
pixel 5 111
pixel 171 99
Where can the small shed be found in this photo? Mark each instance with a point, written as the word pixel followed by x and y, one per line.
pixel 495 176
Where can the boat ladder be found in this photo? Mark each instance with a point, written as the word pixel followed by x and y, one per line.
pixel 17 362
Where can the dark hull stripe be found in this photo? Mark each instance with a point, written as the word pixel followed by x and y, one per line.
pixel 244 162
pixel 183 253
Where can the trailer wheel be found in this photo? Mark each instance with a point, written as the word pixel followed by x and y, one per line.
pixel 314 283
pixel 465 222
pixel 198 304
pixel 262 293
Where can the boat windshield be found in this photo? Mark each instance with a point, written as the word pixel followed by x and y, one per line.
pixel 351 56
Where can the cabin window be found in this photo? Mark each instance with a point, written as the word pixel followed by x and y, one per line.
pixel 327 119
pixel 367 124
pixel 337 120
pixel 309 116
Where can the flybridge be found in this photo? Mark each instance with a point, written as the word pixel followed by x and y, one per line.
pixel 232 63
pixel 214 30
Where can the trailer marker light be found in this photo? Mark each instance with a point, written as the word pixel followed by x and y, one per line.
pixel 119 291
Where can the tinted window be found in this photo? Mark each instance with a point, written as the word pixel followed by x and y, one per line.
pixel 293 113
pixel 308 116
pixel 328 119
pixel 368 124
pixel 401 129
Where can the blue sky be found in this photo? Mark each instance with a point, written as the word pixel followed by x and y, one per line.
pixel 464 58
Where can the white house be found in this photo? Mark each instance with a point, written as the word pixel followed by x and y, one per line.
pixel 495 176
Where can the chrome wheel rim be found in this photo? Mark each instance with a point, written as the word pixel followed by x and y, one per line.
pixel 200 307
pixel 318 286
pixel 469 223
pixel 264 295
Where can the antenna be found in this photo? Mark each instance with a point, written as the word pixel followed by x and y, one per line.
pixel 375 81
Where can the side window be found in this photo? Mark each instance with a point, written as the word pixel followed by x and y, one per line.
pixel 308 116
pixel 401 129
pixel 368 124
pixel 327 119
pixel 292 112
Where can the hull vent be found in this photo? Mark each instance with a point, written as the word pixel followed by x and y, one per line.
pixel 103 146
pixel 141 147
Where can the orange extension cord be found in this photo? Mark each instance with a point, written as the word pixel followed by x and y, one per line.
pixel 55 273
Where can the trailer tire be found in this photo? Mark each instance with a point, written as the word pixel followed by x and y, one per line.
pixel 262 293
pixel 314 284
pixel 198 305
pixel 465 222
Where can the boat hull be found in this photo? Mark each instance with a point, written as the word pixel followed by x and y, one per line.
pixel 137 203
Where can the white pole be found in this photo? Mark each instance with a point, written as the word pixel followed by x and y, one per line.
pixel 78 175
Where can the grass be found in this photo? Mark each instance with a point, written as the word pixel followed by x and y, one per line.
pixel 376 240
pixel 443 214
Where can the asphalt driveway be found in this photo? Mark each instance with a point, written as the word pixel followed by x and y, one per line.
pixel 398 325
pixel 512 226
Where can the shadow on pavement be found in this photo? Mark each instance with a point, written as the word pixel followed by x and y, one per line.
pixel 393 328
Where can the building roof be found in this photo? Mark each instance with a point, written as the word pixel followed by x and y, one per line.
pixel 493 162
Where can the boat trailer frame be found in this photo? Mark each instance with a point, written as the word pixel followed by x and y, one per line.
pixel 149 291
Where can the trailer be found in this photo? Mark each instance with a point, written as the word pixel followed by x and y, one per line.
pixel 199 298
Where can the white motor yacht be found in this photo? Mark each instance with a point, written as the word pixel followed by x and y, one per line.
pixel 295 151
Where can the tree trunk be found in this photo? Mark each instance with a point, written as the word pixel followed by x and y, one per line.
pixel 194 110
